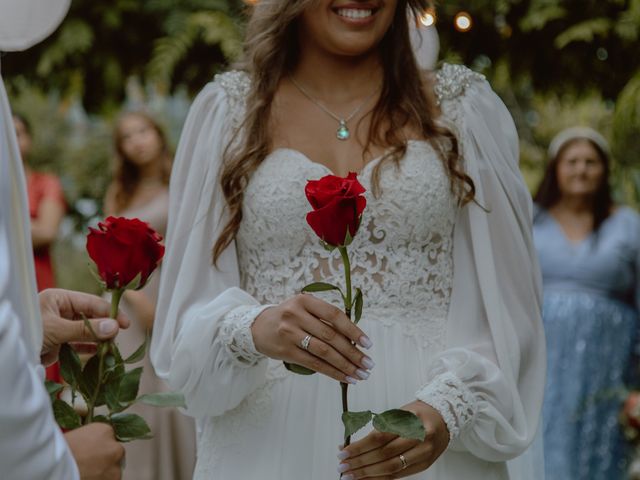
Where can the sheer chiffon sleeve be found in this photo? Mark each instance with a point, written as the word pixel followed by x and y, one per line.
pixel 202 344
pixel 488 383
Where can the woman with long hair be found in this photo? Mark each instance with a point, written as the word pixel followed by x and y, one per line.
pixel 450 329
pixel 589 250
pixel 139 189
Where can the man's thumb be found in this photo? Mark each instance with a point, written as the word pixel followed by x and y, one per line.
pixel 77 331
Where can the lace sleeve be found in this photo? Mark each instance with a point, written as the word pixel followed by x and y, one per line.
pixel 452 399
pixel 235 334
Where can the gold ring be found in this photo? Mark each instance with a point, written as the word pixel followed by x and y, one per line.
pixel 404 462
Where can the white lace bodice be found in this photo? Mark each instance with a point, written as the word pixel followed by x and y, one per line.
pixel 401 257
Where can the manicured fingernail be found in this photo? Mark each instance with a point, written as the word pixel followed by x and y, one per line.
pixel 348 476
pixel 362 374
pixel 367 362
pixel 351 380
pixel 365 342
pixel 107 327
pixel 343 455
pixel 343 467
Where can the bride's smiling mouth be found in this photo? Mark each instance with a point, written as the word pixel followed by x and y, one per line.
pixel 356 13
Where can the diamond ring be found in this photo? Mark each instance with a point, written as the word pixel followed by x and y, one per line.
pixel 305 342
pixel 404 462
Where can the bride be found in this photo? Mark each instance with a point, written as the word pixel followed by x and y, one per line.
pixel 451 327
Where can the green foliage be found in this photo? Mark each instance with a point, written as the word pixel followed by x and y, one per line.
pixel 100 45
pixel 104 381
pixel 403 423
pixel 354 421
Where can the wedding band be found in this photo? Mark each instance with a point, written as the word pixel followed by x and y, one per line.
pixel 305 342
pixel 404 462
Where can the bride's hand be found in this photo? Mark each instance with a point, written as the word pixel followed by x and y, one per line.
pixel 279 332
pixel 378 455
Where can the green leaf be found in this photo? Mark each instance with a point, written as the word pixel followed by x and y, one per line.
pixel 354 421
pixel 65 415
pixel 400 422
pixel 358 306
pixel 87 324
pixel 94 273
pixel 70 366
pixel 129 426
pixel 162 399
pixel 139 353
pixel 90 381
pixel 300 370
pixel 327 247
pixel 135 283
pixel 101 419
pixel 129 385
pixel 53 389
pixel 319 287
pixel 348 239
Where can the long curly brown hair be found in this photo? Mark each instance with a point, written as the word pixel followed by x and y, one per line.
pixel 406 99
pixel 126 174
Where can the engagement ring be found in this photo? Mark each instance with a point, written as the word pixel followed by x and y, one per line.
pixel 404 462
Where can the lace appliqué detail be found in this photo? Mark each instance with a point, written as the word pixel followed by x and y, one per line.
pixel 453 400
pixel 453 80
pixel 235 334
pixel 236 85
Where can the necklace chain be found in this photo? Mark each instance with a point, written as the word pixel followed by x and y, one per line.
pixel 343 130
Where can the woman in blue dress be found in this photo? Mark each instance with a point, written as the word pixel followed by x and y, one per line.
pixel 589 252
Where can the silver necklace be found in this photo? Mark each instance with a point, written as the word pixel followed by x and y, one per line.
pixel 342 133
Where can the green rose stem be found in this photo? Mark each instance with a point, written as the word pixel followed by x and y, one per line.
pixel 102 349
pixel 347 308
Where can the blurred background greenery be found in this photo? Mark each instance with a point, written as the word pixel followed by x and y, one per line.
pixel 555 63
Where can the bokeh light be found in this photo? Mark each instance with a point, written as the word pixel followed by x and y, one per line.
pixel 463 22
pixel 428 18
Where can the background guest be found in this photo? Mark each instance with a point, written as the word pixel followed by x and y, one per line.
pixel 46 209
pixel 139 189
pixel 589 250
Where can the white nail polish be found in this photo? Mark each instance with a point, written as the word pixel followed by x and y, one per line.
pixel 107 327
pixel 365 342
pixel 351 380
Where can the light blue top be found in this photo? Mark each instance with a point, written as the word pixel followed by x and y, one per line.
pixel 605 263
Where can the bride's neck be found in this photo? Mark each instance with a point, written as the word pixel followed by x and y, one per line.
pixel 338 79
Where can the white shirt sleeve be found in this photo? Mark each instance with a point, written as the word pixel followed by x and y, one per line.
pixel 488 383
pixel 32 446
pixel 201 343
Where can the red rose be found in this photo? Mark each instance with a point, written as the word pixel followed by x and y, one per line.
pixel 337 204
pixel 122 249
pixel 631 410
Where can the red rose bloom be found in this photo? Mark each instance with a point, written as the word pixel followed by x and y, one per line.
pixel 337 204
pixel 122 249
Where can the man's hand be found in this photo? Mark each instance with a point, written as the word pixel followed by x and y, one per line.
pixel 62 320
pixel 96 452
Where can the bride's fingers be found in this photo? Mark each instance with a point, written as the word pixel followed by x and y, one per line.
pixel 336 318
pixel 391 450
pixel 393 465
pixel 324 332
pixel 317 364
pixel 372 441
pixel 327 353
pixel 410 470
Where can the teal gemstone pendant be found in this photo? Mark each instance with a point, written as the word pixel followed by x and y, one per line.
pixel 343 132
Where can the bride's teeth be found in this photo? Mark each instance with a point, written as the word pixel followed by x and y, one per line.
pixel 354 12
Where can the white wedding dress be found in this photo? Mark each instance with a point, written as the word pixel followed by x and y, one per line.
pixel 451 298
